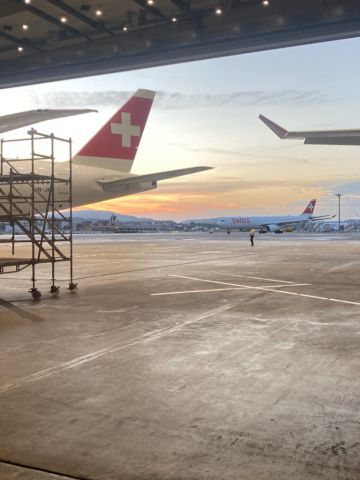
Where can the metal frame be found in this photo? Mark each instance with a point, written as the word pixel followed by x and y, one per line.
pixel 30 202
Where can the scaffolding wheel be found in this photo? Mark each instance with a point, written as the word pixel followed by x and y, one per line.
pixel 73 287
pixel 35 293
pixel 54 290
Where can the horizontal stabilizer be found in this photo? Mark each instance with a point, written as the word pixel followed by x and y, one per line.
pixel 307 219
pixel 150 177
pixel 22 119
pixel 315 137
pixel 322 217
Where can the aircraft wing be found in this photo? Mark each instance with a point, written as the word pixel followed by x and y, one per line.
pixel 282 224
pixel 22 119
pixel 114 183
pixel 322 217
pixel 303 220
pixel 315 137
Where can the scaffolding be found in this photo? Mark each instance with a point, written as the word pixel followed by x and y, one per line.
pixel 34 193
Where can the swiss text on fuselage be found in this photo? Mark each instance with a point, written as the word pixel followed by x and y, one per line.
pixel 241 220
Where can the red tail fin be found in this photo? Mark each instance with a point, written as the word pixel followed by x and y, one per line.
pixel 309 210
pixel 115 145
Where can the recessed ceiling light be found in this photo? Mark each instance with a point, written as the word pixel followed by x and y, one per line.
pixel 25 27
pixel 266 3
pixel 27 1
pixel 218 11
pixel 63 19
pixel 150 2
pixel 125 28
pixel 174 19
pixel 20 48
pixel 98 12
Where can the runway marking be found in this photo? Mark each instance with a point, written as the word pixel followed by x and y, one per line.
pixel 317 297
pixel 256 278
pixel 287 285
pixel 224 289
pixel 266 289
pixel 343 301
pixel 155 267
pixel 197 291
pixel 84 359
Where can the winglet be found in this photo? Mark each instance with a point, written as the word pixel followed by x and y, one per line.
pixel 279 131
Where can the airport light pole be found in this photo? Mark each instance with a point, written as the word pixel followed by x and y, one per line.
pixel 339 197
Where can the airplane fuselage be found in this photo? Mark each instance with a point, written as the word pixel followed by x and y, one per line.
pixel 86 188
pixel 272 223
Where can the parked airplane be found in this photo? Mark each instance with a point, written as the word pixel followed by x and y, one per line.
pixel 101 169
pixel 315 137
pixel 269 223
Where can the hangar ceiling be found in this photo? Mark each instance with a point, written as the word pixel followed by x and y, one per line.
pixel 47 40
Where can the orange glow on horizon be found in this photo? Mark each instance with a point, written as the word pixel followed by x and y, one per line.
pixel 182 204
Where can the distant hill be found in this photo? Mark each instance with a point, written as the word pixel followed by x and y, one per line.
pixel 105 215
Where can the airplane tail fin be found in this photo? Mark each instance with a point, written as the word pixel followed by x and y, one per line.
pixel 115 145
pixel 309 210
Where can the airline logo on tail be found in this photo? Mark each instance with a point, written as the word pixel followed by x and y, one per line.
pixel 125 129
pixel 309 210
pixel 119 138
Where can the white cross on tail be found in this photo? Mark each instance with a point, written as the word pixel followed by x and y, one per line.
pixel 125 129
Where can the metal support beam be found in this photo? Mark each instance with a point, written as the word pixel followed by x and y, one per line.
pixel 71 11
pixel 21 42
pixel 53 20
pixel 149 8
pixel 96 25
pixel 182 5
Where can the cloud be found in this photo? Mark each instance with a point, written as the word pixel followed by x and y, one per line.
pixel 348 188
pixel 218 151
pixel 180 101
pixel 226 186
pixel 350 200
pixel 244 154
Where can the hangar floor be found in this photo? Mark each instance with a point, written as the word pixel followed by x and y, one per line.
pixel 186 356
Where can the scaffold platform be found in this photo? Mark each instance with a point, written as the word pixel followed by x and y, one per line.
pixel 36 203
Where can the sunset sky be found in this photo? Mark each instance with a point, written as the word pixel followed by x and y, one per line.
pixel 206 113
